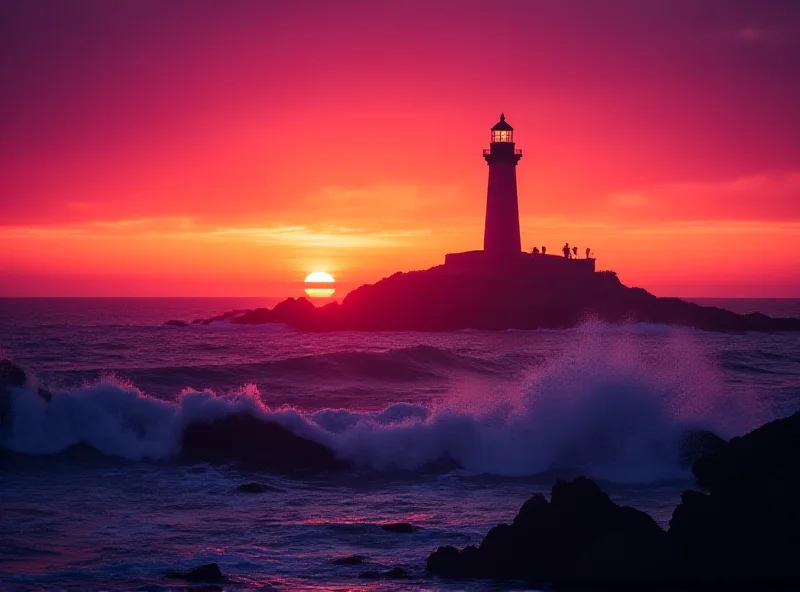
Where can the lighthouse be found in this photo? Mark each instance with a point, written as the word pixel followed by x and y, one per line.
pixel 502 256
pixel 501 238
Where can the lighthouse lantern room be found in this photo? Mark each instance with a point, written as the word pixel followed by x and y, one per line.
pixel 502 131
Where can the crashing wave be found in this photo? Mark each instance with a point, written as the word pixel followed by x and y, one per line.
pixel 611 413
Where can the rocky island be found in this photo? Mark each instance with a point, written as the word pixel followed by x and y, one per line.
pixel 445 299
pixel 500 286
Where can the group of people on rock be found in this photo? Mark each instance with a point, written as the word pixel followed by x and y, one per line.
pixel 569 253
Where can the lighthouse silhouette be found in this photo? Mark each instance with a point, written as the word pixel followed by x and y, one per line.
pixel 501 237
pixel 502 256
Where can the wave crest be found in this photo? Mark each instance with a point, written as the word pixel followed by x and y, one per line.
pixel 614 413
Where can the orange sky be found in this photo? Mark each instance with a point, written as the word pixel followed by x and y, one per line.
pixel 204 148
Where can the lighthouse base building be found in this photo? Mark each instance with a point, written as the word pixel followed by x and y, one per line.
pixel 502 252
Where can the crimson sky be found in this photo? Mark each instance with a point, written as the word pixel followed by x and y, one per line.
pixel 229 148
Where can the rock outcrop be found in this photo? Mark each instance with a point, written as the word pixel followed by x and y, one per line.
pixel 254 443
pixel 438 300
pixel 747 528
pixel 744 532
pixel 290 312
pixel 696 444
pixel 578 537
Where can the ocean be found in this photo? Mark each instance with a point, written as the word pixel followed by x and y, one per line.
pixel 450 432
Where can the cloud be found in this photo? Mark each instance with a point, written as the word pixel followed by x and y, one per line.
pixel 298 236
pixel 305 236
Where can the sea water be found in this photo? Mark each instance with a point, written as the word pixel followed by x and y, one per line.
pixel 451 432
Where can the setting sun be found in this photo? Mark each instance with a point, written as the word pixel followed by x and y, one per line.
pixel 319 276
pixel 319 284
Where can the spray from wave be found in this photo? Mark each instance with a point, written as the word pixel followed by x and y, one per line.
pixel 611 409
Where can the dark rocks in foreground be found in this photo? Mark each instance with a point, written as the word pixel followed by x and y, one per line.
pixel 696 444
pixel 747 528
pixel 578 537
pixel 439 300
pixel 254 443
pixel 769 452
pixel 744 533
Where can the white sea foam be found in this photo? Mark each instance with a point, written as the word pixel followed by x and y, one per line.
pixel 612 412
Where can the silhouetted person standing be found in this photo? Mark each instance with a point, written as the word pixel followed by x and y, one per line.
pixel 544 250
pixel 565 250
pixel 575 252
pixel 587 252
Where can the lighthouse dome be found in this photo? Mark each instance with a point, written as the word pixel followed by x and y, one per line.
pixel 502 125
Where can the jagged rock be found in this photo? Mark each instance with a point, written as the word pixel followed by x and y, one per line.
pixel 449 562
pixel 743 534
pixel 748 528
pixel 750 459
pixel 175 323
pixel 292 308
pixel 259 316
pixel 290 311
pixel 349 560
pixel 570 540
pixel 204 573
pixel 256 488
pixel 697 444
pixel 401 527
pixel 255 443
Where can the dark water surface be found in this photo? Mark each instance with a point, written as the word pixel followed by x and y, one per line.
pixel 512 408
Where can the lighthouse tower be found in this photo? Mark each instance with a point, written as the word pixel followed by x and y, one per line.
pixel 502 255
pixel 501 232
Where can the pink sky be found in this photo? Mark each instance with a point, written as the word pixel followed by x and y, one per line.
pixel 209 148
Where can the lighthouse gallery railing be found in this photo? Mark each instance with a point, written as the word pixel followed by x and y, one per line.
pixel 489 151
